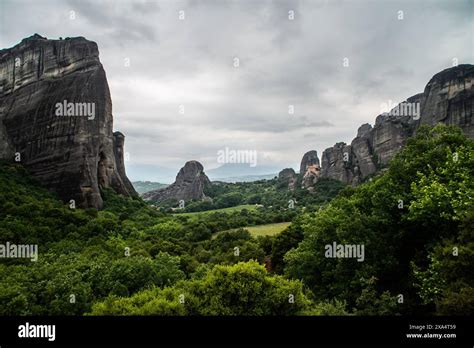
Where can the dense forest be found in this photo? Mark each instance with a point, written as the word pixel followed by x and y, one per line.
pixel 415 221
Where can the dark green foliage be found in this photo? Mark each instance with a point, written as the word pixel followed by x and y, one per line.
pixel 268 193
pixel 132 258
pixel 241 289
pixel 325 189
pixel 284 242
pixel 432 177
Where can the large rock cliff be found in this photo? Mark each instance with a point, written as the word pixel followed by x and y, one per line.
pixel 447 98
pixel 189 185
pixel 56 118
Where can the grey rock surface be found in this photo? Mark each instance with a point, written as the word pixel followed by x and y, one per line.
pixel 310 169
pixel 310 177
pixel 448 98
pixel 309 158
pixel 288 177
pixel 336 163
pixel 189 185
pixel 74 154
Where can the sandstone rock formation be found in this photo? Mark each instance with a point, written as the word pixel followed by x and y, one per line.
pixel 447 98
pixel 189 185
pixel 288 178
pixel 310 169
pixel 71 150
pixel 119 142
pixel 310 177
pixel 335 163
pixel 309 158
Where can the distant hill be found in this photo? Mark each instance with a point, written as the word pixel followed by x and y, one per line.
pixel 233 172
pixel 246 178
pixel 145 186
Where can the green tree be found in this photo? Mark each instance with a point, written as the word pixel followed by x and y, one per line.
pixel 241 289
pixel 399 217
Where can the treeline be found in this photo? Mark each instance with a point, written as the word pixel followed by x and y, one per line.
pixel 268 193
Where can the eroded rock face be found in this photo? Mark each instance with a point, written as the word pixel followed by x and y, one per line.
pixel 119 154
pixel 288 178
pixel 310 169
pixel 311 176
pixel 71 151
pixel 309 158
pixel 336 163
pixel 391 132
pixel 189 185
pixel 361 156
pixel 447 98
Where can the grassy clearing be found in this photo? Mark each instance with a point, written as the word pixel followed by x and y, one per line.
pixel 249 207
pixel 267 230
pixel 262 230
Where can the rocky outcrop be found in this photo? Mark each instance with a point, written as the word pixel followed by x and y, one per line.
pixel 309 158
pixel 310 169
pixel 56 118
pixel 361 152
pixel 310 177
pixel 391 131
pixel 336 163
pixel 447 98
pixel 189 185
pixel 287 178
pixel 119 142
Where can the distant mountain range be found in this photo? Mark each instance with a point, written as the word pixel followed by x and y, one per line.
pixel 151 172
pixel 232 172
pixel 146 186
pixel 246 178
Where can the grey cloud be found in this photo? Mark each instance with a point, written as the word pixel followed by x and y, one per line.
pixel 121 26
pixel 283 62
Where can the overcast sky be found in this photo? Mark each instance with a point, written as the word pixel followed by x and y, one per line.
pixel 283 62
